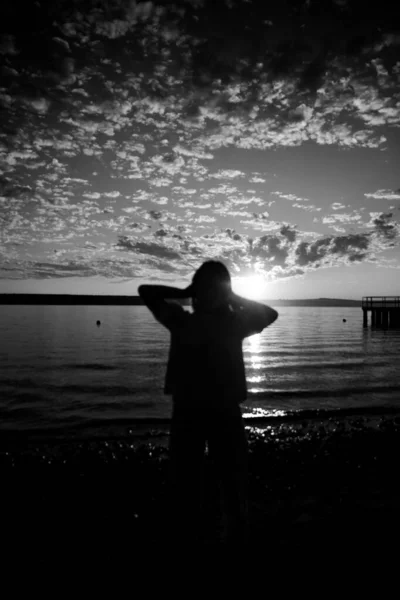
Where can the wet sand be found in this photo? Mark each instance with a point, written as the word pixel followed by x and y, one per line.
pixel 317 489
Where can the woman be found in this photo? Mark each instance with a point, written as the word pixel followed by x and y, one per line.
pixel 206 378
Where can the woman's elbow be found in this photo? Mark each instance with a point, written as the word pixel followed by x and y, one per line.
pixel 142 290
pixel 271 316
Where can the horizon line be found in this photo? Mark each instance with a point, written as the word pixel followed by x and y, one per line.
pixel 137 296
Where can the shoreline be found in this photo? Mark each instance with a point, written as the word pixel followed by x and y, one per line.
pixel 156 431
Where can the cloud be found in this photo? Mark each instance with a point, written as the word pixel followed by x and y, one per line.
pixel 9 189
pixel 388 229
pixel 160 233
pixel 282 253
pixel 156 214
pixel 269 248
pixel 227 174
pixel 384 195
pixel 307 253
pixel 184 191
pixel 233 234
pixel 223 189
pixel 151 249
pixel 137 226
pixel 352 242
pixel 160 182
pixel 64 269
pixel 291 197
pixel 92 195
pixel 307 207
pixel 193 152
pixel 204 219
pixel 353 217
pixel 288 232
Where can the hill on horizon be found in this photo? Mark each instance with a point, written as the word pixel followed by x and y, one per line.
pixel 86 299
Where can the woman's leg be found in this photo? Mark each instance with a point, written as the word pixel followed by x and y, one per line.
pixel 187 446
pixel 229 451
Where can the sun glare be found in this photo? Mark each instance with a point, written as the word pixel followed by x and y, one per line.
pixel 253 287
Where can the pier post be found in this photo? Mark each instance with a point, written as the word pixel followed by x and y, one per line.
pixel 385 311
pixel 394 318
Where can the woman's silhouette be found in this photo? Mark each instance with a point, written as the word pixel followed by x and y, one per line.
pixel 206 377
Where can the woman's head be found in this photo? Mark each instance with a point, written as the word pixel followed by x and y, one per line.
pixel 211 285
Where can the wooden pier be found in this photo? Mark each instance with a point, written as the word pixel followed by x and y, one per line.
pixel 385 311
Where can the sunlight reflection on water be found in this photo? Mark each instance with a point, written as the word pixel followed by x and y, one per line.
pixel 255 379
pixel 256 413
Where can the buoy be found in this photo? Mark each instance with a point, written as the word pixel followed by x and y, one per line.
pixel 98 323
pixel 344 320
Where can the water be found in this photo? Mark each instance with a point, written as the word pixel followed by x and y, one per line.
pixel 61 375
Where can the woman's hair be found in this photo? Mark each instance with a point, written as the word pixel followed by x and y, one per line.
pixel 209 271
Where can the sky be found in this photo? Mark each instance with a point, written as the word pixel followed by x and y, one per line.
pixel 139 139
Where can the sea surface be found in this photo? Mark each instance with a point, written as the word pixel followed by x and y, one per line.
pixel 63 376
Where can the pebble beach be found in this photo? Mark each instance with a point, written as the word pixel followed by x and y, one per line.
pixel 317 487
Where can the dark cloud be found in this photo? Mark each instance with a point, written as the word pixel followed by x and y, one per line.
pixel 325 251
pixel 282 255
pixel 233 235
pixel 155 214
pixel 343 244
pixel 49 270
pixel 357 256
pixel 44 46
pixel 151 249
pixel 138 226
pixel 190 248
pixel 288 232
pixel 269 248
pixel 153 263
pixel 110 268
pixel 60 267
pixel 288 37
pixel 384 227
pixel 13 190
pixel 312 252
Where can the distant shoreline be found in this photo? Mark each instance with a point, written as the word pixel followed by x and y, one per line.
pixel 100 300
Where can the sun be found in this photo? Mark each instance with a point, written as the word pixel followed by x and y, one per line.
pixel 252 286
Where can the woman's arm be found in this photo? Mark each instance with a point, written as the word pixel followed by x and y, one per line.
pixel 256 315
pixel 158 293
pixel 155 296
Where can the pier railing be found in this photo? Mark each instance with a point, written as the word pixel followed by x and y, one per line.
pixel 372 302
